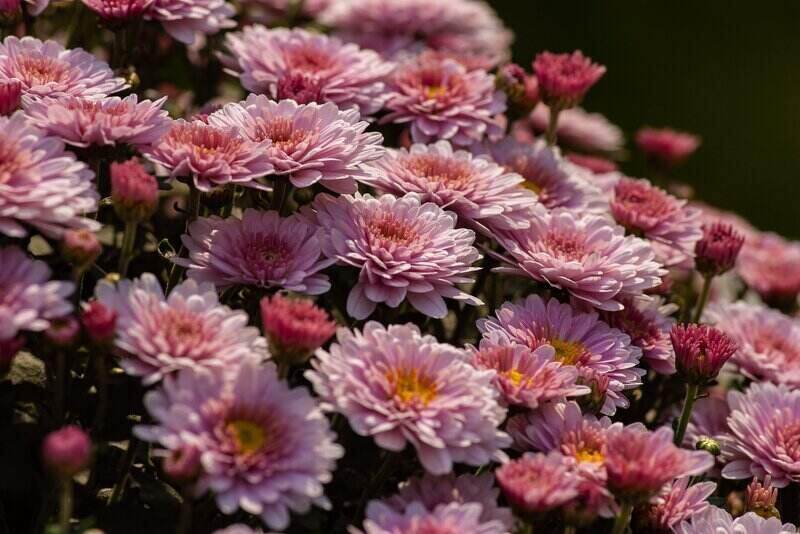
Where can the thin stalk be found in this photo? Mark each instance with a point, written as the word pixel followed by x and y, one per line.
pixel 623 519
pixel 102 393
pixel 551 134
pixel 58 387
pixel 74 33
pixel 126 252
pixel 185 518
pixel 279 195
pixel 122 478
pixel 703 299
pixel 686 413
pixel 64 505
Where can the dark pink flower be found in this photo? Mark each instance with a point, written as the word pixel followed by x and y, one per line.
pixel 10 95
pixel 700 351
pixel 678 501
pixel 185 20
pixel 538 483
pixel 665 146
pixel 64 331
pixel 564 79
pixel 81 248
pixel 770 265
pixel 119 11
pixel 595 164
pixel 100 321
pixel 183 464
pixel 67 451
pixel 717 250
pixel 134 191
pixel 295 327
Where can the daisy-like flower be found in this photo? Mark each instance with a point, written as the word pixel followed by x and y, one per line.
pixel 665 146
pixel 29 300
pixel 441 99
pixel 577 128
pixel 765 430
pixel 264 447
pixel 119 11
pixel 479 191
pixel 417 519
pixel 282 63
pixel 718 520
pixel 768 341
pixel 588 256
pixel 309 143
pixel 564 79
pixel 42 185
pixel 185 20
pixel 404 249
pixel 536 483
pixel 770 265
pixel 400 387
pixel 639 462
pixel 432 491
pixel 189 329
pixel 82 121
pixel 261 249
pixel 557 182
pixel 677 502
pixel 211 155
pixel 579 339
pixel 47 69
pixel 526 377
pixel 398 28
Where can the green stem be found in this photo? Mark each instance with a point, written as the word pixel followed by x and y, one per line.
pixel 623 519
pixel 122 478
pixel 703 299
pixel 74 31
pixel 551 134
pixel 279 195
pixel 65 505
pixel 688 402
pixel 126 252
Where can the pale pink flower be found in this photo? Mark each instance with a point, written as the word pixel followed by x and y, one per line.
pixel 119 11
pixel 677 502
pixel 718 520
pixel 770 265
pixel 401 387
pixel 185 20
pixel 564 79
pixel 577 128
pixel 416 519
pixel 536 483
pixel 666 146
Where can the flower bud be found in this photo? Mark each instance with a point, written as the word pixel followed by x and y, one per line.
pixel 10 95
pixel 295 328
pixel 81 248
pixel 717 250
pixel 761 499
pixel 99 321
pixel 564 79
pixel 182 465
pixel 64 331
pixel 522 89
pixel 700 351
pixel 134 191
pixel 8 350
pixel 66 451
pixel 598 383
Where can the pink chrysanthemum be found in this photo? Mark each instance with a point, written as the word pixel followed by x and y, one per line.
pixel 718 520
pixel 480 192
pixel 716 252
pixel 526 377
pixel 639 462
pixel 309 143
pixel 119 11
pixel 595 164
pixel 267 60
pixel 557 182
pixel 294 327
pixel 134 191
pixel 265 448
pixel 432 491
pixel 441 100
pixel 588 256
pixel 189 329
pixel 261 249
pixel 41 184
pixel 769 341
pixel 29 300
pixel 211 155
pixel 400 387
pixel 10 96
pixel 82 121
pixel 536 483
pixel 185 20
pixel 564 79
pixel 577 128
pixel 671 226
pixel 770 265
pixel 416 519
pixel 398 28
pixel 579 339
pixel 677 502
pixel 404 249
pixel 47 69
pixel 765 430
pixel 700 351
pixel 666 146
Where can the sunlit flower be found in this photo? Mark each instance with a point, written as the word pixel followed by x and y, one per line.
pixel 677 502
pixel 564 79
pixel 536 483
pixel 415 518
pixel 185 20
pixel 718 520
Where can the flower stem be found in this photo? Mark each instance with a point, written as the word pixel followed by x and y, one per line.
pixel 58 387
pixel 569 529
pixel 126 253
pixel 551 134
pixel 279 196
pixel 185 518
pixel 703 299
pixel 688 402
pixel 122 478
pixel 102 393
pixel 64 505
pixel 624 517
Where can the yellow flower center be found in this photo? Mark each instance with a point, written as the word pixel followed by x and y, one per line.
pixel 249 437
pixel 531 186
pixel 567 352
pixel 412 387
pixel 515 376
pixel 589 455
pixel 435 91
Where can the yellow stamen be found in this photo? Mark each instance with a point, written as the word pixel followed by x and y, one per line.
pixel 567 352
pixel 412 387
pixel 249 437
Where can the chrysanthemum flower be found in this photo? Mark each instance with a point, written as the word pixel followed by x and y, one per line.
pixel 588 256
pixel 309 143
pixel 42 185
pixel 700 351
pixel 441 100
pixel 639 462
pixel 134 191
pixel 158 335
pixel 415 518
pixel 398 28
pixel 479 191
pixel 564 79
pixel 265 448
pixel 82 121
pixel 762 498
pixel 579 339
pixel 10 96
pixel 648 211
pixel 716 252
pixel 577 128
pixel 665 146
pixel 536 483
pixel 47 69
pixel 211 155
pixel 526 377
pixel 770 265
pixel 677 502
pixel 557 182
pixel 341 73
pixel 765 428
pixel 119 11
pixel 432 491
pixel 294 327
pixel 595 164
pixel 260 249
pixel 400 387
pixel 29 300
pixel 184 20
pixel 718 520
pixel 768 341
pixel 404 249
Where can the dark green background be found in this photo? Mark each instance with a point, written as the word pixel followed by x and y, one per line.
pixel 727 70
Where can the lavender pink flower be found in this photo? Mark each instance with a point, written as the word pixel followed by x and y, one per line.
pixel 189 329
pixel 186 20
pixel 665 146
pixel 401 387
pixel 718 520
pixel 564 79
pixel 595 164
pixel 309 143
pixel 677 502
pixel 134 191
pixel 294 327
pixel 770 265
pixel 700 351
pixel 261 249
pixel 536 483
pixel 403 249
pixel 577 129
pixel 264 447
pixel 415 518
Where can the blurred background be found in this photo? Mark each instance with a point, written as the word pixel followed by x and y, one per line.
pixel 728 71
